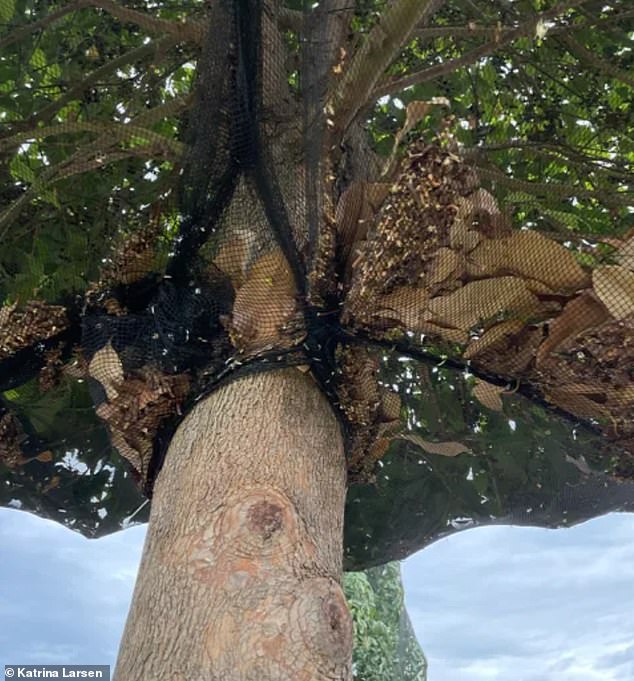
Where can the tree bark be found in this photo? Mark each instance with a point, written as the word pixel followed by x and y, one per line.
pixel 241 569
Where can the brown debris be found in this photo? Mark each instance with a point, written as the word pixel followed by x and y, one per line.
pixel 413 224
pixel 143 400
pixel 372 410
pixel 21 327
pixel 11 437
pixel 440 259
pixel 52 370
pixel 591 375
pixel 133 256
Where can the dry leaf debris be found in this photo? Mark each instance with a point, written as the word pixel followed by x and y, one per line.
pixel 22 327
pixel 51 372
pixel 137 404
pixel 11 436
pixel 440 259
pixel 372 410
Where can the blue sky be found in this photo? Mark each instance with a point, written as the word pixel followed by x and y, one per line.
pixel 494 604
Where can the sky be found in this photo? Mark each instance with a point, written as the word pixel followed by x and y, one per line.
pixel 494 604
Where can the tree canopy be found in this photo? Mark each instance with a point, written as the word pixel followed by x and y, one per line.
pixel 465 181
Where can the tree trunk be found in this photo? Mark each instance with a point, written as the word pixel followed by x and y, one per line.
pixel 241 569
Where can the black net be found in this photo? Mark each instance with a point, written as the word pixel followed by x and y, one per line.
pixel 428 206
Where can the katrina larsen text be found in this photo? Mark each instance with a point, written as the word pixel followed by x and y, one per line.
pixel 57 671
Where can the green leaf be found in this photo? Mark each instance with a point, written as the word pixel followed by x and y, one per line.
pixel 21 170
pixel 7 10
pixel 568 219
pixel 38 58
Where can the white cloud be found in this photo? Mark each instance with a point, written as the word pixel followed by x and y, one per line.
pixel 63 598
pixel 490 604
pixel 526 604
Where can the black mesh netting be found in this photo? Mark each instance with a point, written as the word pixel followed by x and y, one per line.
pixel 428 206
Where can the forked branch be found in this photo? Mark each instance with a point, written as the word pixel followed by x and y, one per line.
pixel 503 38
pixel 157 48
pixel 97 154
pixel 376 53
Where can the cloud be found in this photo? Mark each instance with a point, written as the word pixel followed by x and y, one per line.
pixel 64 598
pixel 490 604
pixel 526 604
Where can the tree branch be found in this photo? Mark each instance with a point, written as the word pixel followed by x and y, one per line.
pixel 558 152
pixel 98 153
pixel 10 214
pixel 172 107
pixel 191 31
pixel 19 32
pixel 431 73
pixel 583 53
pixel 76 90
pixel 463 30
pixel 473 29
pixel 290 20
pixel 375 54
pixel 556 188
pixel 113 131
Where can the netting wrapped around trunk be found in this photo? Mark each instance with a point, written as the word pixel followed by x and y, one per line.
pixel 403 199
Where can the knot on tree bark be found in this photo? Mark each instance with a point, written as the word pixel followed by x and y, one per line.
pixel 259 524
pixel 321 615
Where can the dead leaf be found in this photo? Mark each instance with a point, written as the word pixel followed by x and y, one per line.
pixel 53 483
pixel 581 313
pixel 446 333
pixel 106 411
pixel 479 214
pixel 625 253
pixel 614 286
pixel 446 264
pixel 6 311
pixel 529 255
pixel 581 464
pixel 106 367
pixel 348 213
pixel 404 304
pixel 489 395
pixel 480 200
pixel 378 449
pixel 390 406
pixel 583 389
pixel 576 403
pixel 127 452
pixel 461 236
pixel 414 113
pixel 356 210
pixel 232 259
pixel 264 304
pixel 492 338
pixel 376 193
pixel 624 395
pixel 471 240
pixel 484 299
pixel 441 448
